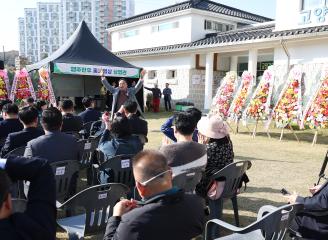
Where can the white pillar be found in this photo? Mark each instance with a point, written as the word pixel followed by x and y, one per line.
pixel 252 62
pixel 208 81
pixel 234 63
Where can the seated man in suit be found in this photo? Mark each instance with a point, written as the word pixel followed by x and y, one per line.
pixel 29 118
pixel 10 123
pixel 312 222
pixel 54 145
pixel 165 212
pixel 138 125
pixel 117 138
pixel 90 114
pixel 71 123
pixel 38 222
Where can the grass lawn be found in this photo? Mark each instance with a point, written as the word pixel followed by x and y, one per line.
pixel 276 164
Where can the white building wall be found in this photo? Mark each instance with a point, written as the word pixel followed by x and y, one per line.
pixel 289 15
pixel 311 51
pixel 198 30
pixel 146 38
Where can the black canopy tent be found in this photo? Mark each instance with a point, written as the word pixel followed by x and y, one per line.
pixel 75 66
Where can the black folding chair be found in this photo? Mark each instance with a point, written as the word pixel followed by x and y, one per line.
pixel 117 169
pixel 16 152
pixel 66 174
pixel 188 180
pixel 232 176
pixel 97 205
pixel 97 128
pixel 272 224
pixel 85 132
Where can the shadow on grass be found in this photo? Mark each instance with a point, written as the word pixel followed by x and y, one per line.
pixel 243 158
pixel 304 136
pixel 159 115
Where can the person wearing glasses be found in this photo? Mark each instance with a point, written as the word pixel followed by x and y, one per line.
pixel 165 212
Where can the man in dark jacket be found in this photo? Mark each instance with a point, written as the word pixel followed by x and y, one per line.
pixel 312 223
pixel 157 94
pixel 138 125
pixel 165 212
pixel 54 145
pixel 10 123
pixel 71 122
pixel 38 222
pixel 90 114
pixel 29 117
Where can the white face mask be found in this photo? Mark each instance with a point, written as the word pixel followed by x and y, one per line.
pixel 153 178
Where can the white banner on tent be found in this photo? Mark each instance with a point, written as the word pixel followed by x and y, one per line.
pixel 91 70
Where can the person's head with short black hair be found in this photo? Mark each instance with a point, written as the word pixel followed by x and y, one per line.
pixel 5 198
pixel 184 124
pixel 4 102
pixel 41 105
pixel 130 107
pixel 167 85
pixel 151 172
pixel 30 101
pixel 120 127
pixel 29 116
pixel 88 102
pixel 10 111
pixel 196 114
pixel 67 106
pixel 52 119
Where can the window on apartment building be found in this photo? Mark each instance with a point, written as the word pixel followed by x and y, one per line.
pixel 152 74
pixel 164 26
pixel 171 74
pixel 130 33
pixel 310 4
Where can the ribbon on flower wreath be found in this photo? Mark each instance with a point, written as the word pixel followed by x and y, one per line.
pixel 22 76
pixel 45 82
pixel 4 84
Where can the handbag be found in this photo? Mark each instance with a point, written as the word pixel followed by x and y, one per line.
pixel 215 190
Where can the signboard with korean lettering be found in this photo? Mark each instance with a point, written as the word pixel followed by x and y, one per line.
pixel 91 70
pixel 314 16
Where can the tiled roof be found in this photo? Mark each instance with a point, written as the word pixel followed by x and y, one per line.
pixel 205 5
pixel 233 37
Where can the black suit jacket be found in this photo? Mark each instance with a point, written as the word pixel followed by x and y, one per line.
pixel 138 125
pixel 90 115
pixel 54 146
pixel 9 126
pixel 168 216
pixel 38 222
pixel 19 139
pixel 72 123
pixel 313 221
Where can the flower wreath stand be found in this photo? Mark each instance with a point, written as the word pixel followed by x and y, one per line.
pixel 239 102
pixel 224 96
pixel 315 115
pixel 22 87
pixel 288 109
pixel 4 85
pixel 45 91
pixel 258 108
